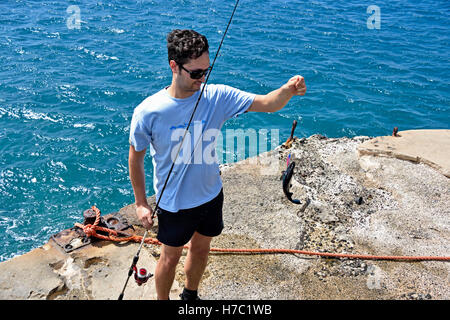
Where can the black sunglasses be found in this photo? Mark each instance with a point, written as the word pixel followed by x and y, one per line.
pixel 196 74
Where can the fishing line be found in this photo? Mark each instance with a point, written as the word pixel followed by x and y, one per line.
pixel 136 257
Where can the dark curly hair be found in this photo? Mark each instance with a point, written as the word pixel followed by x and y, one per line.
pixel 183 45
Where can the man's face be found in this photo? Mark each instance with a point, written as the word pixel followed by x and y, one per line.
pixel 184 79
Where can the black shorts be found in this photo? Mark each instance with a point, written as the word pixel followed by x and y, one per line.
pixel 177 228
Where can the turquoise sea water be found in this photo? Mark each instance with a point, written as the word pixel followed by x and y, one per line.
pixel 68 90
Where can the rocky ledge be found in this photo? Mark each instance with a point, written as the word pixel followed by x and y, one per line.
pixel 378 196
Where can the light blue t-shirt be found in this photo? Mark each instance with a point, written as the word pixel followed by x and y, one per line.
pixel 161 120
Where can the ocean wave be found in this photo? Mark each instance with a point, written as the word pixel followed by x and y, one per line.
pixel 97 55
pixel 84 125
pixel 28 114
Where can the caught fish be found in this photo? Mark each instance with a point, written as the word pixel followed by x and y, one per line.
pixel 287 176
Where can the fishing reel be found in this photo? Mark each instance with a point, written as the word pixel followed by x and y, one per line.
pixel 141 276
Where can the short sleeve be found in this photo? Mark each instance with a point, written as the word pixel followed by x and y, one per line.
pixel 140 135
pixel 234 101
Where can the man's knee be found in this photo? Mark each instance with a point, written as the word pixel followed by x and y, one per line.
pixel 199 251
pixel 200 245
pixel 170 257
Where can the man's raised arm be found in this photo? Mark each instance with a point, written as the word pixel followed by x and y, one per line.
pixel 277 99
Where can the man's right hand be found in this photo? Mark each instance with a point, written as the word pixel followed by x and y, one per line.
pixel 144 213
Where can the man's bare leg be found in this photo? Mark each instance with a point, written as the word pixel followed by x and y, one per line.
pixel 165 270
pixel 196 260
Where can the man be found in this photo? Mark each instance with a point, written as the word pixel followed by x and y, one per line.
pixel 190 210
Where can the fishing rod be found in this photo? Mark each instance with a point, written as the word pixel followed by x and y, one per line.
pixel 136 257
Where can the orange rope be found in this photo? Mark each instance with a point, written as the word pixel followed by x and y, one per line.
pixel 91 231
